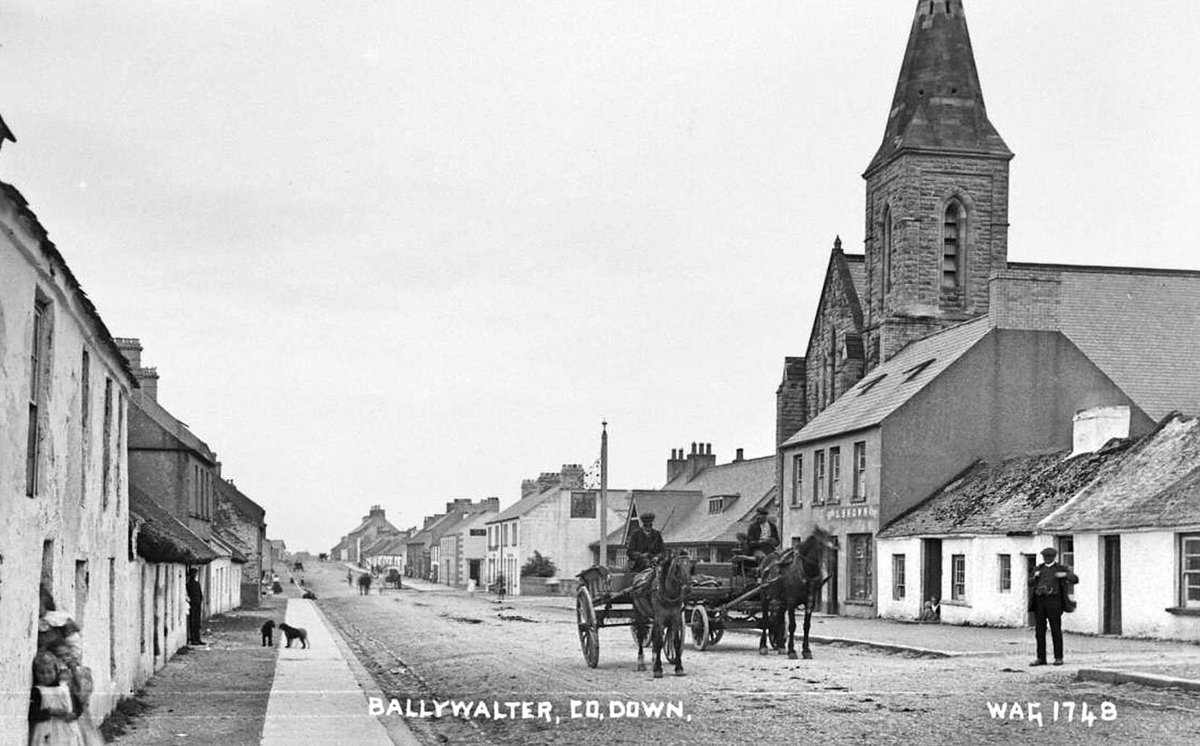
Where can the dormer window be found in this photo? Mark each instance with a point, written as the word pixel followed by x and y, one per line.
pixel 954 233
pixel 716 505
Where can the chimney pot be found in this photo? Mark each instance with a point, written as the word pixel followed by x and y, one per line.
pixel 739 456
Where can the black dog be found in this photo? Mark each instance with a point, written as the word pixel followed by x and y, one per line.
pixel 268 633
pixel 294 632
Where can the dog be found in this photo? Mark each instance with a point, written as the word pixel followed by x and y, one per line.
pixel 268 633
pixel 293 633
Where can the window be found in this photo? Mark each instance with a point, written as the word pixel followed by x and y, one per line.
pixel 106 454
pixel 797 479
pixel 1189 550
pixel 818 476
pixel 121 449
pixel 583 505
pixel 958 577
pixel 716 505
pixel 860 472
pixel 1066 550
pixel 831 391
pixel 871 384
pixel 38 352
pixel 898 577
pixel 1005 573
pixel 916 370
pixel 887 249
pixel 85 413
pixel 861 568
pixel 514 534
pixel 953 235
pixel 835 474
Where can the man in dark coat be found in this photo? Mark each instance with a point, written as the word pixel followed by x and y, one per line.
pixel 195 603
pixel 763 535
pixel 644 544
pixel 1049 596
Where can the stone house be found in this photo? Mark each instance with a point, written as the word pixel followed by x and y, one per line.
pixel 373 526
pixel 462 547
pixel 64 500
pixel 245 521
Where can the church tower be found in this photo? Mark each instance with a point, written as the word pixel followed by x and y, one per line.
pixel 937 191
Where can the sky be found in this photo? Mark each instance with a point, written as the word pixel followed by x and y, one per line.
pixel 400 253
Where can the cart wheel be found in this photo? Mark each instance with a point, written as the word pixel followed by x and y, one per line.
pixel 700 628
pixel 589 633
pixel 716 632
pixel 673 646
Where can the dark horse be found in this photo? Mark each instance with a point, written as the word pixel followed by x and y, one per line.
pixel 792 578
pixel 661 603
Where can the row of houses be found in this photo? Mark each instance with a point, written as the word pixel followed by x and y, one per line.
pixel 106 499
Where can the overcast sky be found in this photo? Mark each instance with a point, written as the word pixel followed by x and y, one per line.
pixel 400 253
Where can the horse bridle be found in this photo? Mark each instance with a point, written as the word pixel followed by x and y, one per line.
pixel 662 585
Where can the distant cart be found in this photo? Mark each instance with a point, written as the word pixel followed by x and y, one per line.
pixel 603 599
pixel 725 596
pixel 298 566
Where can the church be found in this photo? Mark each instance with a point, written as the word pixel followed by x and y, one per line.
pixel 931 351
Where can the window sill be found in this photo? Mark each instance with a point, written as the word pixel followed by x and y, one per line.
pixel 952 602
pixel 858 602
pixel 1183 611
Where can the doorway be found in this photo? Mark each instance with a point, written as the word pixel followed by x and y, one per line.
pixel 474 571
pixel 830 599
pixel 931 570
pixel 1112 585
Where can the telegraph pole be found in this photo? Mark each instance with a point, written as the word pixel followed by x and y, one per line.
pixel 603 494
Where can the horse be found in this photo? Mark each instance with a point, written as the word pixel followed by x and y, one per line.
pixel 660 603
pixel 792 578
pixel 364 584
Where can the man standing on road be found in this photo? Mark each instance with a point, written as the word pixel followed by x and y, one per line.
pixel 195 602
pixel 1049 596
pixel 644 544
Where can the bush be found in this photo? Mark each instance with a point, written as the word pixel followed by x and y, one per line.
pixel 539 567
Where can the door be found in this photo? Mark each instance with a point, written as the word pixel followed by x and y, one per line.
pixel 1030 568
pixel 931 570
pixel 1112 585
pixel 830 600
pixel 474 571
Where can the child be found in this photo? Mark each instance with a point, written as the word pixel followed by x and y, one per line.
pixel 52 711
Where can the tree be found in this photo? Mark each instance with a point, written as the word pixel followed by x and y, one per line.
pixel 539 567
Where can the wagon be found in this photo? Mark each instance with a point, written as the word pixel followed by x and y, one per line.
pixel 726 597
pixel 603 599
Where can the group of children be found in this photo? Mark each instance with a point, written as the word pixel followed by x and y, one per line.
pixel 62 685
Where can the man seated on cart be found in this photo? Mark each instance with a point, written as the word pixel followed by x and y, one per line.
pixel 763 536
pixel 644 546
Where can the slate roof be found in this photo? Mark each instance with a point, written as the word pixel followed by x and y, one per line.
pixel 162 537
pixel 173 427
pixel 251 510
pixel 229 543
pixel 525 504
pixel 1008 497
pixel 745 485
pixel 670 508
pixel 1155 486
pixel 889 386
pixel 1130 321
pixel 387 546
pixel 938 102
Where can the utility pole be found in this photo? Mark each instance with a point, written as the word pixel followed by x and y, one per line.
pixel 603 494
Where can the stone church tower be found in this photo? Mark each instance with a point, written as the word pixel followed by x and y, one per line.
pixel 937 191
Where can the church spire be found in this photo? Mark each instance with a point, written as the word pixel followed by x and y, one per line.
pixel 938 105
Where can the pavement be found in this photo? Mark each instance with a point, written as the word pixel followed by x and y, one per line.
pixel 1103 658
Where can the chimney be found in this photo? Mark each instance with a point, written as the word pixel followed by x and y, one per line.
pixel 490 505
pixel 791 407
pixel 547 480
pixel 147 378
pixel 376 511
pixel 675 464
pixel 459 505
pixel 1096 426
pixel 699 459
pixel 428 520
pixel 528 487
pixel 572 476
pixel 739 456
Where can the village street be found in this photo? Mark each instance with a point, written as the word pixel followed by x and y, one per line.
pixel 435 644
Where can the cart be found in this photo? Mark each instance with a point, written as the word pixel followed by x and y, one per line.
pixel 603 599
pixel 725 596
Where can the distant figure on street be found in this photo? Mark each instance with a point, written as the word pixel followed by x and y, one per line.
pixel 1049 596
pixel 501 587
pixel 364 584
pixel 645 545
pixel 763 535
pixel 195 603
pixel 350 578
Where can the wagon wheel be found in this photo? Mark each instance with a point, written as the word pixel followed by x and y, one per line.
pixel 589 633
pixel 701 631
pixel 716 632
pixel 673 646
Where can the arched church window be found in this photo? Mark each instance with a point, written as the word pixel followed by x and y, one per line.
pixel 831 391
pixel 954 234
pixel 886 232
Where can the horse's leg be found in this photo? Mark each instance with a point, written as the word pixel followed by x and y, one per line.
pixel 638 627
pixel 677 632
pixel 791 650
pixel 764 622
pixel 805 651
pixel 657 641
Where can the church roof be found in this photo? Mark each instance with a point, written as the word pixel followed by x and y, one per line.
pixel 887 387
pixel 938 104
